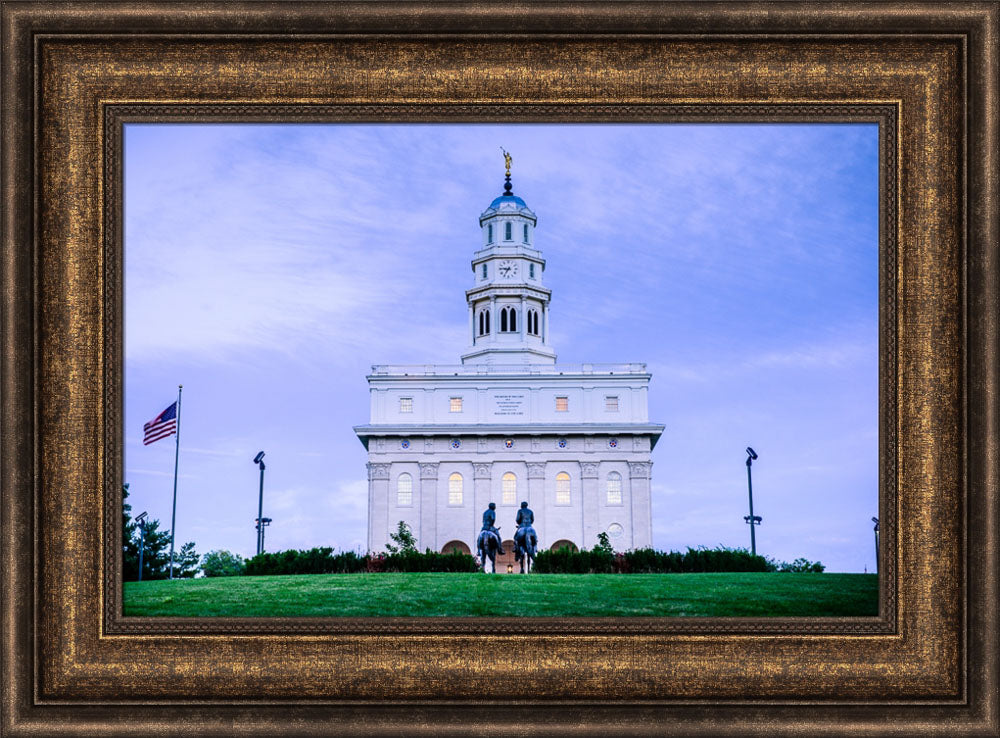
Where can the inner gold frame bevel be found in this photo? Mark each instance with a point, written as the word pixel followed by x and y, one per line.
pixel 699 676
pixel 116 116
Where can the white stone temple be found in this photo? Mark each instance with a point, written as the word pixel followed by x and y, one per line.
pixel 509 423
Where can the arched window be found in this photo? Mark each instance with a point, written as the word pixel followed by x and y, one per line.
pixel 404 490
pixel 513 319
pixel 508 488
pixel 455 489
pixel 482 322
pixel 562 489
pixel 487 321
pixel 533 322
pixel 526 233
pixel 506 233
pixel 503 320
pixel 489 233
pixel 614 488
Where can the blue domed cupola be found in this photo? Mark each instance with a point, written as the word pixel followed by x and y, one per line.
pixel 508 306
pixel 508 219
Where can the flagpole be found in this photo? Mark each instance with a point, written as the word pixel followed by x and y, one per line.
pixel 177 454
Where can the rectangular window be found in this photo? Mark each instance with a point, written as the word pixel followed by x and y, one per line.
pixel 611 404
pixel 484 271
pixel 506 232
pixel 531 271
pixel 562 404
pixel 526 233
pixel 456 405
pixel 406 404
pixel 489 233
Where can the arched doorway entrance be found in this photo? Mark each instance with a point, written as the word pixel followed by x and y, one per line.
pixel 563 543
pixel 459 546
pixel 507 558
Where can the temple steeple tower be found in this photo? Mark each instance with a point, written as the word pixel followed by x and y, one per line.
pixel 508 306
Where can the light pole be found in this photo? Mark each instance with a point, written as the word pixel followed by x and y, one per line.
pixel 261 524
pixel 752 520
pixel 875 520
pixel 259 461
pixel 141 520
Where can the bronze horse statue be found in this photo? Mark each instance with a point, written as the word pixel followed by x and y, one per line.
pixel 525 543
pixel 489 545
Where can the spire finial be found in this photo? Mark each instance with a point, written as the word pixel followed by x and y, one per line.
pixel 507 159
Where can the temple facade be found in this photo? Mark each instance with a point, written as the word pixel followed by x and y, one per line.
pixel 509 423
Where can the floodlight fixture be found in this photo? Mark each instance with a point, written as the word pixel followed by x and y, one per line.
pixel 259 461
pixel 752 520
pixel 141 520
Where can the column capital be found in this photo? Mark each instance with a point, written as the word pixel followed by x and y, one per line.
pixel 588 471
pixel 482 471
pixel 536 471
pixel 429 471
pixel 639 469
pixel 378 471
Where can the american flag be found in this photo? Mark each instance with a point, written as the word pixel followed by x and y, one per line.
pixel 163 425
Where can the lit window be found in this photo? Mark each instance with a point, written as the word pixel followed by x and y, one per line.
pixel 562 488
pixel 508 443
pixel 509 488
pixel 406 404
pixel 484 271
pixel 526 233
pixel 614 488
pixel 611 404
pixel 456 405
pixel 455 489
pixel 404 490
pixel 531 271
pixel 562 404
pixel 613 443
pixel 506 232
pixel 489 233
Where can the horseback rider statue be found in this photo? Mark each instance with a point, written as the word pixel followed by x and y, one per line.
pixel 525 538
pixel 489 518
pixel 489 544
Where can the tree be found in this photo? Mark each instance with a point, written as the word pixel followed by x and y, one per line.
pixel 155 550
pixel 222 564
pixel 604 544
pixel 405 539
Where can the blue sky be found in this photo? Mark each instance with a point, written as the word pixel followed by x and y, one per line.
pixel 268 267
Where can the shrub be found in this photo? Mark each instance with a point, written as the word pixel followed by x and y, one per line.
pixel 601 559
pixel 319 560
pixel 412 561
pixel 222 564
pixel 802 565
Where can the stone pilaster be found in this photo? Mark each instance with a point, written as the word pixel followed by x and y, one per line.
pixel 536 497
pixel 589 504
pixel 640 504
pixel 482 474
pixel 378 495
pixel 427 537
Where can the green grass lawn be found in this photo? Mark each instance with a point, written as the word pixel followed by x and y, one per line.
pixel 504 595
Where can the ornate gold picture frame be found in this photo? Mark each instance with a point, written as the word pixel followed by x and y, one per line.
pixel 73 74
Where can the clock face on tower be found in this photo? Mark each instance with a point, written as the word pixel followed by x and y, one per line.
pixel 507 269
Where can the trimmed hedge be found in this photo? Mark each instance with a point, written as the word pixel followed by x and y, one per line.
pixel 314 561
pixel 648 561
pixel 412 561
pixel 324 561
